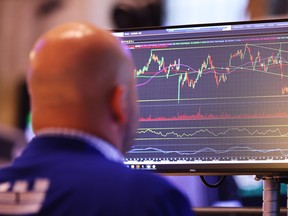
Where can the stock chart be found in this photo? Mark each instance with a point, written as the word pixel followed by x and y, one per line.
pixel 215 99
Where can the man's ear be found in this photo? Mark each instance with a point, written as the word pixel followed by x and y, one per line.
pixel 118 104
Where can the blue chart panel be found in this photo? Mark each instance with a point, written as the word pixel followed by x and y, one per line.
pixel 222 99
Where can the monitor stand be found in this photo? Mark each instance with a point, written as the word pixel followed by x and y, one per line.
pixel 271 194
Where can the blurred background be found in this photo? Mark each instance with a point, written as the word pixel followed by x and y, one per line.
pixel 23 21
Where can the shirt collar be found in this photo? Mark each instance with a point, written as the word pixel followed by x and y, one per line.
pixel 107 149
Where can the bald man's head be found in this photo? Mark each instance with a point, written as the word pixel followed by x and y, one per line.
pixel 81 77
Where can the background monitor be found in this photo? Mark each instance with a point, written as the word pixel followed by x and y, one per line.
pixel 213 98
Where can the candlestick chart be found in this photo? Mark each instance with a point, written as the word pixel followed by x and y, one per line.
pixel 212 100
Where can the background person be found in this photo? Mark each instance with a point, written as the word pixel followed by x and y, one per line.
pixel 84 115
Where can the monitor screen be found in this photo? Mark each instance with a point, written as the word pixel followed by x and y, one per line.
pixel 213 98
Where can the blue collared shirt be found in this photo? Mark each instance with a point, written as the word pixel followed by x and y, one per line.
pixel 107 149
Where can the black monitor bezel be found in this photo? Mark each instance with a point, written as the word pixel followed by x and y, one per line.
pixel 233 168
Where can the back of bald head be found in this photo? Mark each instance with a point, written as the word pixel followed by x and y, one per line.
pixel 73 70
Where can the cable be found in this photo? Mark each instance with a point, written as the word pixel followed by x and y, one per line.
pixel 212 185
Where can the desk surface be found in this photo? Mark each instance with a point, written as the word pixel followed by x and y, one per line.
pixel 230 211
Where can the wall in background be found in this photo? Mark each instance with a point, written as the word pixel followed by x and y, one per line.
pixel 21 23
pixel 205 11
pixel 16 37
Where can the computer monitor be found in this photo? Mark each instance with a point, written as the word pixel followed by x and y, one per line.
pixel 213 98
